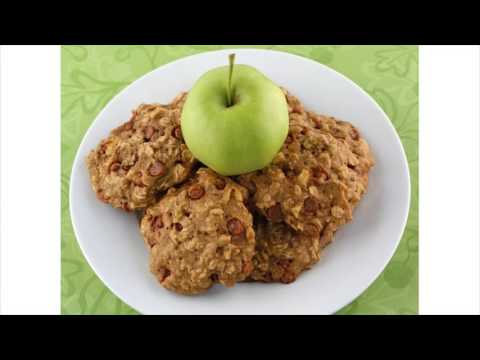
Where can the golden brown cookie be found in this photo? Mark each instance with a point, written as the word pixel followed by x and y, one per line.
pixel 299 187
pixel 282 254
pixel 200 234
pixel 349 140
pixel 142 157
pixel 318 176
pixel 354 152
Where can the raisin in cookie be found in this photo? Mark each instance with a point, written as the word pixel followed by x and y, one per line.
pixel 142 157
pixel 200 234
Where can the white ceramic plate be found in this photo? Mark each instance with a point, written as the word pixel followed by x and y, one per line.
pixel 111 242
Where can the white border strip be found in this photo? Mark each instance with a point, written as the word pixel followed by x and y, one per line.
pixel 449 180
pixel 30 180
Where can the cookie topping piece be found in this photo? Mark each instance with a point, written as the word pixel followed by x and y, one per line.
pixel 178 226
pixel 177 132
pixel 156 169
pixel 274 213
pixel 157 222
pixel 115 167
pixel 318 172
pixel 148 132
pixel 196 192
pixel 310 205
pixel 220 184
pixel 235 227
pixel 163 273
pixel 247 267
pixel 354 134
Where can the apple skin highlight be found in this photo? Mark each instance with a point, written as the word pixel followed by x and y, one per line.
pixel 240 138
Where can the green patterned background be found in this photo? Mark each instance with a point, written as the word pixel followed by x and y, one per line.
pixel 92 75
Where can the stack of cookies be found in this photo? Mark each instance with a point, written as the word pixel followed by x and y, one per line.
pixel 202 228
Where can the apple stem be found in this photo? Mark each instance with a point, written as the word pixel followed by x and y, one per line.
pixel 231 60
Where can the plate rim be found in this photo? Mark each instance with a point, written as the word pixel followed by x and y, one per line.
pixel 78 159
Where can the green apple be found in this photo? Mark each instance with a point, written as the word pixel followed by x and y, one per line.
pixel 235 119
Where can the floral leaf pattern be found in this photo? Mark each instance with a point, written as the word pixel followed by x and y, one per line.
pixel 89 92
pixel 78 53
pixel 398 59
pixel 92 75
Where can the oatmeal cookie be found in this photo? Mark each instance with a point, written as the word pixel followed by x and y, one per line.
pixel 359 161
pixel 318 176
pixel 282 254
pixel 354 153
pixel 142 157
pixel 200 234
